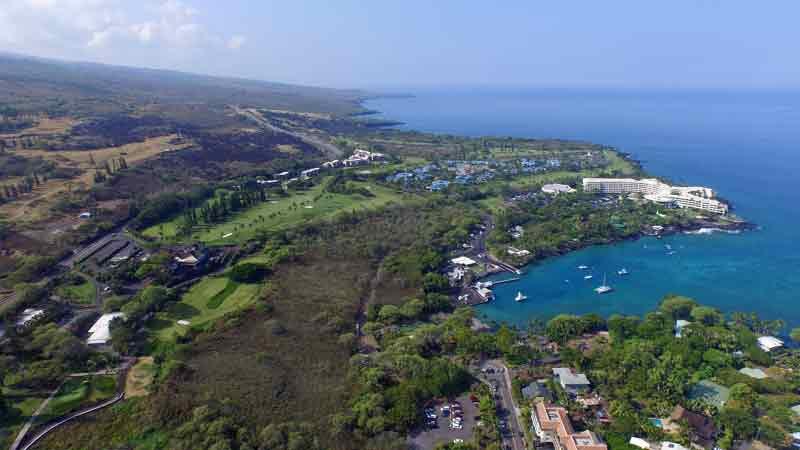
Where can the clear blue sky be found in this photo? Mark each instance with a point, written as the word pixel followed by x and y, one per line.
pixel 348 43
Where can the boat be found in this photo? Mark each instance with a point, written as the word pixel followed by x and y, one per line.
pixel 668 247
pixel 622 272
pixel 520 297
pixel 603 288
pixel 582 267
pixel 588 277
pixel 671 252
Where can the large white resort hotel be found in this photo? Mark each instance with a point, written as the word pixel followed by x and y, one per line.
pixel 659 192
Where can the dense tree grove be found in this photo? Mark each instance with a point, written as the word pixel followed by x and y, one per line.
pixel 645 370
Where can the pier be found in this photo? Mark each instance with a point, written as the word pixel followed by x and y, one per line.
pixel 493 283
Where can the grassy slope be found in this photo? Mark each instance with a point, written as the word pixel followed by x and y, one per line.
pixel 194 306
pixel 285 213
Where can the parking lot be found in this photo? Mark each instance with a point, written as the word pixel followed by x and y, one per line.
pixel 442 429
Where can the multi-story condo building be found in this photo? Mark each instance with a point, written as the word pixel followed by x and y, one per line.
pixel 551 424
pixel 656 191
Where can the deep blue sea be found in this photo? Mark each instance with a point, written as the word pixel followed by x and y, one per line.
pixel 746 145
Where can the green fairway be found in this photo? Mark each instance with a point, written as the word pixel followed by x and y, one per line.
pixel 280 213
pixel 77 393
pixel 208 300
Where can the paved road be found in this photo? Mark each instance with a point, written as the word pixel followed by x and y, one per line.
pixel 514 437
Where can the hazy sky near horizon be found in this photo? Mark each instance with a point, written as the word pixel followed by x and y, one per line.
pixel 415 43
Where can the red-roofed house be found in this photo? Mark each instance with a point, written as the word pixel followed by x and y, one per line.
pixel 552 424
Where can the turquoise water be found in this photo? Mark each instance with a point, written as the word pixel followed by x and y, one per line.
pixel 744 144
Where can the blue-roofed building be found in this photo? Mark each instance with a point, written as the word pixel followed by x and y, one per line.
pixel 401 177
pixel 439 185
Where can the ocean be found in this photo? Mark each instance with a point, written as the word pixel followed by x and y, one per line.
pixel 745 145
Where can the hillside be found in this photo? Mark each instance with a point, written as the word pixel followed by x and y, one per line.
pixel 30 84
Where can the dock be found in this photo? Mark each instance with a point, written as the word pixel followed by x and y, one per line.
pixel 493 283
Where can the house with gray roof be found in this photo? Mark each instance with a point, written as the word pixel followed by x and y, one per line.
pixel 573 383
pixel 535 390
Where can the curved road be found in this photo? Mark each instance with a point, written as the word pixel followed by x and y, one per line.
pixel 52 427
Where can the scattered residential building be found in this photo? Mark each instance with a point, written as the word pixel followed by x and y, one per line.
pixel 100 332
pixel 517 252
pixel 456 275
pixel 639 442
pixel 659 192
pixel 332 164
pixel 28 316
pixel 308 173
pixel 796 409
pixel 551 424
pixel 439 185
pixel 573 383
pixel 680 324
pixel 753 372
pixel 517 232
pixel 710 392
pixel 769 343
pixel 537 390
pixel 85 215
pixel 282 175
pixel 796 439
pixel 700 425
pixel 361 157
pixel 555 189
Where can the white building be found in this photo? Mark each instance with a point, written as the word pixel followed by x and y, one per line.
pixel 100 333
pixel 655 191
pixel 308 173
pixel 555 189
pixel 639 442
pixel 769 343
pixel 463 261
pixel 513 251
pixel 28 316
pixel 680 324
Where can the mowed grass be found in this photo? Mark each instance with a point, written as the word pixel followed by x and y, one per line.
pixel 82 294
pixel 280 213
pixel 77 393
pixel 206 301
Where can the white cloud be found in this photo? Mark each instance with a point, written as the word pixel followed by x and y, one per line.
pixel 236 42
pixel 72 27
